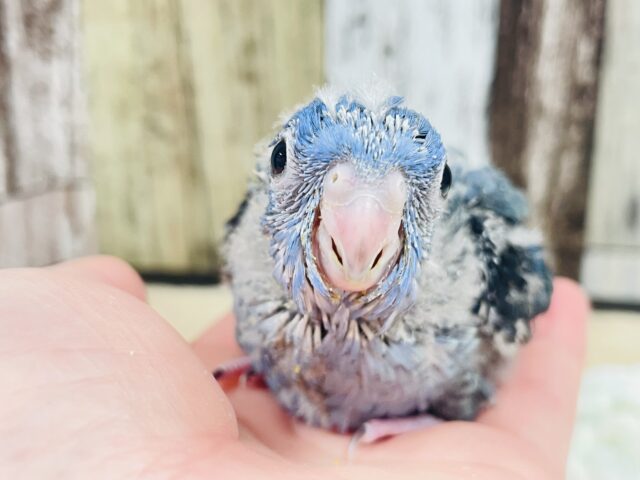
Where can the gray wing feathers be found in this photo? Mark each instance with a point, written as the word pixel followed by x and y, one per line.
pixel 516 281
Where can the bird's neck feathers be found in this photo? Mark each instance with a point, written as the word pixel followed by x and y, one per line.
pixel 296 269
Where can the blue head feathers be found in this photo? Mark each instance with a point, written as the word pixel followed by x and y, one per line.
pixel 373 139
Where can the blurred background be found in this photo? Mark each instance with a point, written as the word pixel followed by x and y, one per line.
pixel 128 128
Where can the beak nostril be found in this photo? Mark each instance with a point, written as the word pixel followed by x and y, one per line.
pixel 335 250
pixel 377 259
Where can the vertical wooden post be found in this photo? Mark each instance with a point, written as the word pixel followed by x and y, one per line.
pixel 543 110
pixel 46 202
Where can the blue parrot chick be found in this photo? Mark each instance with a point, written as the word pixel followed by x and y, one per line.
pixel 373 276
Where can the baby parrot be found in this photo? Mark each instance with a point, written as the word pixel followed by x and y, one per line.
pixel 378 282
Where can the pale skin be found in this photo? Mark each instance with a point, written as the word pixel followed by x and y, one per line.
pixel 95 384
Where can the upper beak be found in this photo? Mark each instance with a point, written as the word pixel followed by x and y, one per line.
pixel 359 231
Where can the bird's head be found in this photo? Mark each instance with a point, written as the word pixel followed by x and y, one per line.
pixel 354 189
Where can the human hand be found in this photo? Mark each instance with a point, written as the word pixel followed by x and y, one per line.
pixel 95 384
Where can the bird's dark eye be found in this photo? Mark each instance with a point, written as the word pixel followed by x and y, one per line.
pixel 447 178
pixel 279 158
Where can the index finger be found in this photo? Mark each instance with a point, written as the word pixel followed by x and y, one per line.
pixel 104 269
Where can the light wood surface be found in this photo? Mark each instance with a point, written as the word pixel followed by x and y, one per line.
pixel 46 200
pixel 612 257
pixel 180 93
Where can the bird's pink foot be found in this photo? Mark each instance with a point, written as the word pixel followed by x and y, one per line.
pixel 374 430
pixel 235 371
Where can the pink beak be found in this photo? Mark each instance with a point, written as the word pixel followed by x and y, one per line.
pixel 359 233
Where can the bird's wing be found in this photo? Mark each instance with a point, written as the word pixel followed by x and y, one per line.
pixel 515 282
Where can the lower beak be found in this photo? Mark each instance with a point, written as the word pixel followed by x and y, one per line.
pixel 358 237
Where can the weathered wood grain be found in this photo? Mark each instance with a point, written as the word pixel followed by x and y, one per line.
pixel 612 257
pixel 41 48
pixel 45 197
pixel 440 55
pixel 543 111
pixel 181 92
pixel 48 227
pixel 145 160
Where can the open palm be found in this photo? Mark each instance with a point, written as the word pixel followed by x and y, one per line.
pixel 95 384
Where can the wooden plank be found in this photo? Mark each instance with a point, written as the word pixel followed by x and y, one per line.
pixel 142 145
pixel 614 199
pixel 543 110
pixel 142 142
pixel 611 268
pixel 40 45
pixel 47 228
pixel 440 55
pixel 181 92
pixel 46 202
